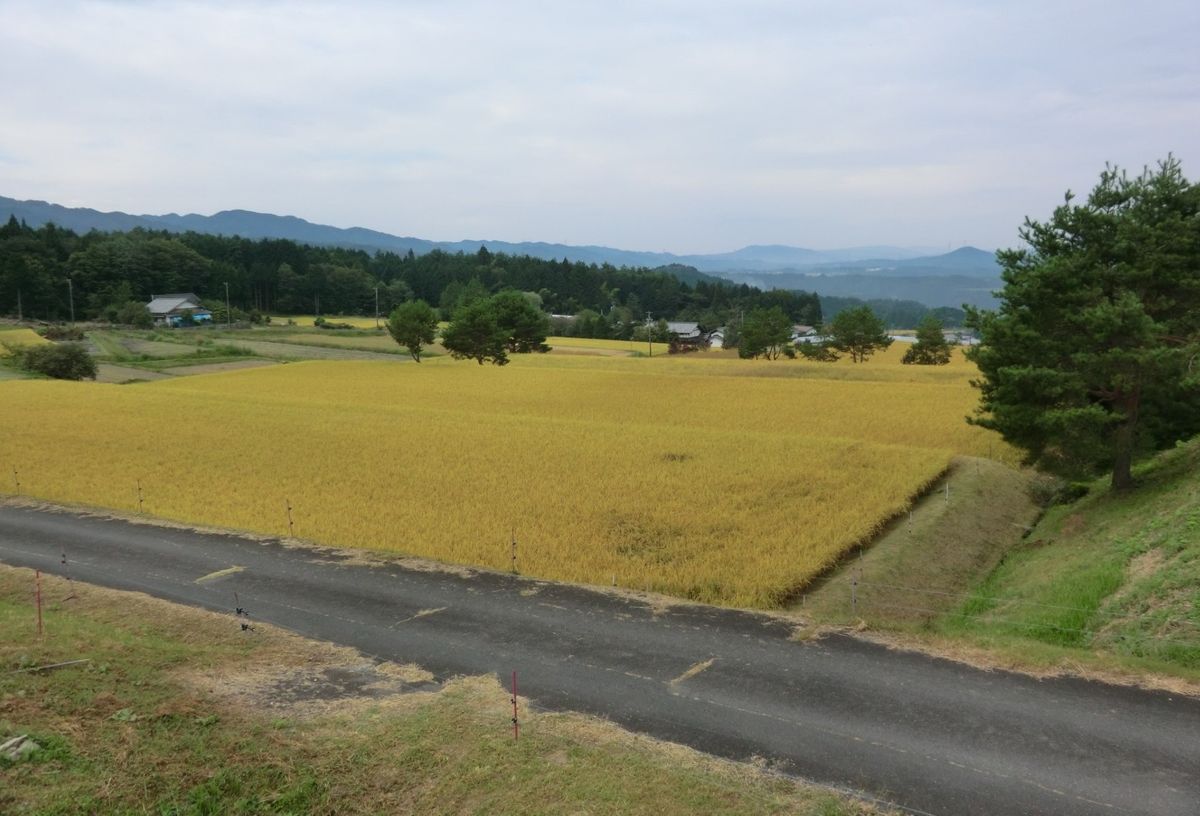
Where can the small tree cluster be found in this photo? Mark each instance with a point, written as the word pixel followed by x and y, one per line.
pixel 858 332
pixel 767 333
pixel 931 347
pixel 413 325
pixel 62 361
pixel 487 329
pixel 130 313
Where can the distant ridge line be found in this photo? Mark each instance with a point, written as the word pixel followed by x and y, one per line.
pixel 765 258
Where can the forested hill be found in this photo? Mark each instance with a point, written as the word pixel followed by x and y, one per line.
pixel 285 277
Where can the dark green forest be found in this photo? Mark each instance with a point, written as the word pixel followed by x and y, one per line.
pixel 895 314
pixel 40 270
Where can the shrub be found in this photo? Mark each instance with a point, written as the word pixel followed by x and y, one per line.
pixel 73 333
pixel 63 361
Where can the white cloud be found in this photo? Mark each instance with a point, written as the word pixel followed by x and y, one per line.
pixel 681 126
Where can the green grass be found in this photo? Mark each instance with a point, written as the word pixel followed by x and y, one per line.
pixel 110 347
pixel 168 718
pixel 1117 573
pixel 926 563
pixel 1109 584
pixel 189 350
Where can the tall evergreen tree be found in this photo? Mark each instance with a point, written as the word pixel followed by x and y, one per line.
pixel 931 347
pixel 858 332
pixel 1094 352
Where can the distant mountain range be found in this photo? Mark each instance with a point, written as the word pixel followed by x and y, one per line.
pixel 876 271
pixel 760 258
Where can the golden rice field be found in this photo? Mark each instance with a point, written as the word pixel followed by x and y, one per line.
pixel 624 346
pixel 352 320
pixel 18 337
pixel 369 342
pixel 385 343
pixel 725 481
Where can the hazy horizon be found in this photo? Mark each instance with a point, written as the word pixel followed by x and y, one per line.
pixel 690 128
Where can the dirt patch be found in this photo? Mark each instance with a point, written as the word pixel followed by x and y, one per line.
pixel 109 373
pixel 312 690
pixel 214 368
pixel 1073 524
pixel 1141 566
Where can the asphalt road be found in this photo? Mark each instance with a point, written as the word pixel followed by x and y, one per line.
pixel 930 735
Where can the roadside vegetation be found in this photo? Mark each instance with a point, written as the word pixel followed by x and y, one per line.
pixel 1112 571
pixel 1017 570
pixel 177 711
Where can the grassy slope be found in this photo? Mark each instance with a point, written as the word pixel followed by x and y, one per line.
pixel 178 713
pixel 1108 585
pixel 1118 573
pixel 925 563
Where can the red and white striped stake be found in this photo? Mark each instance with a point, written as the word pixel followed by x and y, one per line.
pixel 37 594
pixel 516 723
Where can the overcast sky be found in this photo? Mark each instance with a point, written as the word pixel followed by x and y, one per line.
pixel 682 126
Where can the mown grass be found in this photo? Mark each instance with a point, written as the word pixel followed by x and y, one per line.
pixel 144 728
pixel 928 561
pixel 160 353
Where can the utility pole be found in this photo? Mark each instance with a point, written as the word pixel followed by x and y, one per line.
pixel 71 293
pixel 20 312
pixel 376 307
pixel 228 310
pixel 649 336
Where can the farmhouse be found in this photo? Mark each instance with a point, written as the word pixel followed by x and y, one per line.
pixel 686 337
pixel 684 331
pixel 171 310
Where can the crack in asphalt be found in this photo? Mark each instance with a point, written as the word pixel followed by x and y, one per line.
pixel 923 733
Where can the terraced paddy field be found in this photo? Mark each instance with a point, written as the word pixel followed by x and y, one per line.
pixel 725 481
pixel 18 337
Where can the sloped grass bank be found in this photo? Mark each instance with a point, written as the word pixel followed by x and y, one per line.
pixel 1116 573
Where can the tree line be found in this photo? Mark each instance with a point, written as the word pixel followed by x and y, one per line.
pixel 42 268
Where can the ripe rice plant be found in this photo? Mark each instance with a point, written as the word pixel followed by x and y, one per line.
pixel 17 337
pixel 695 479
